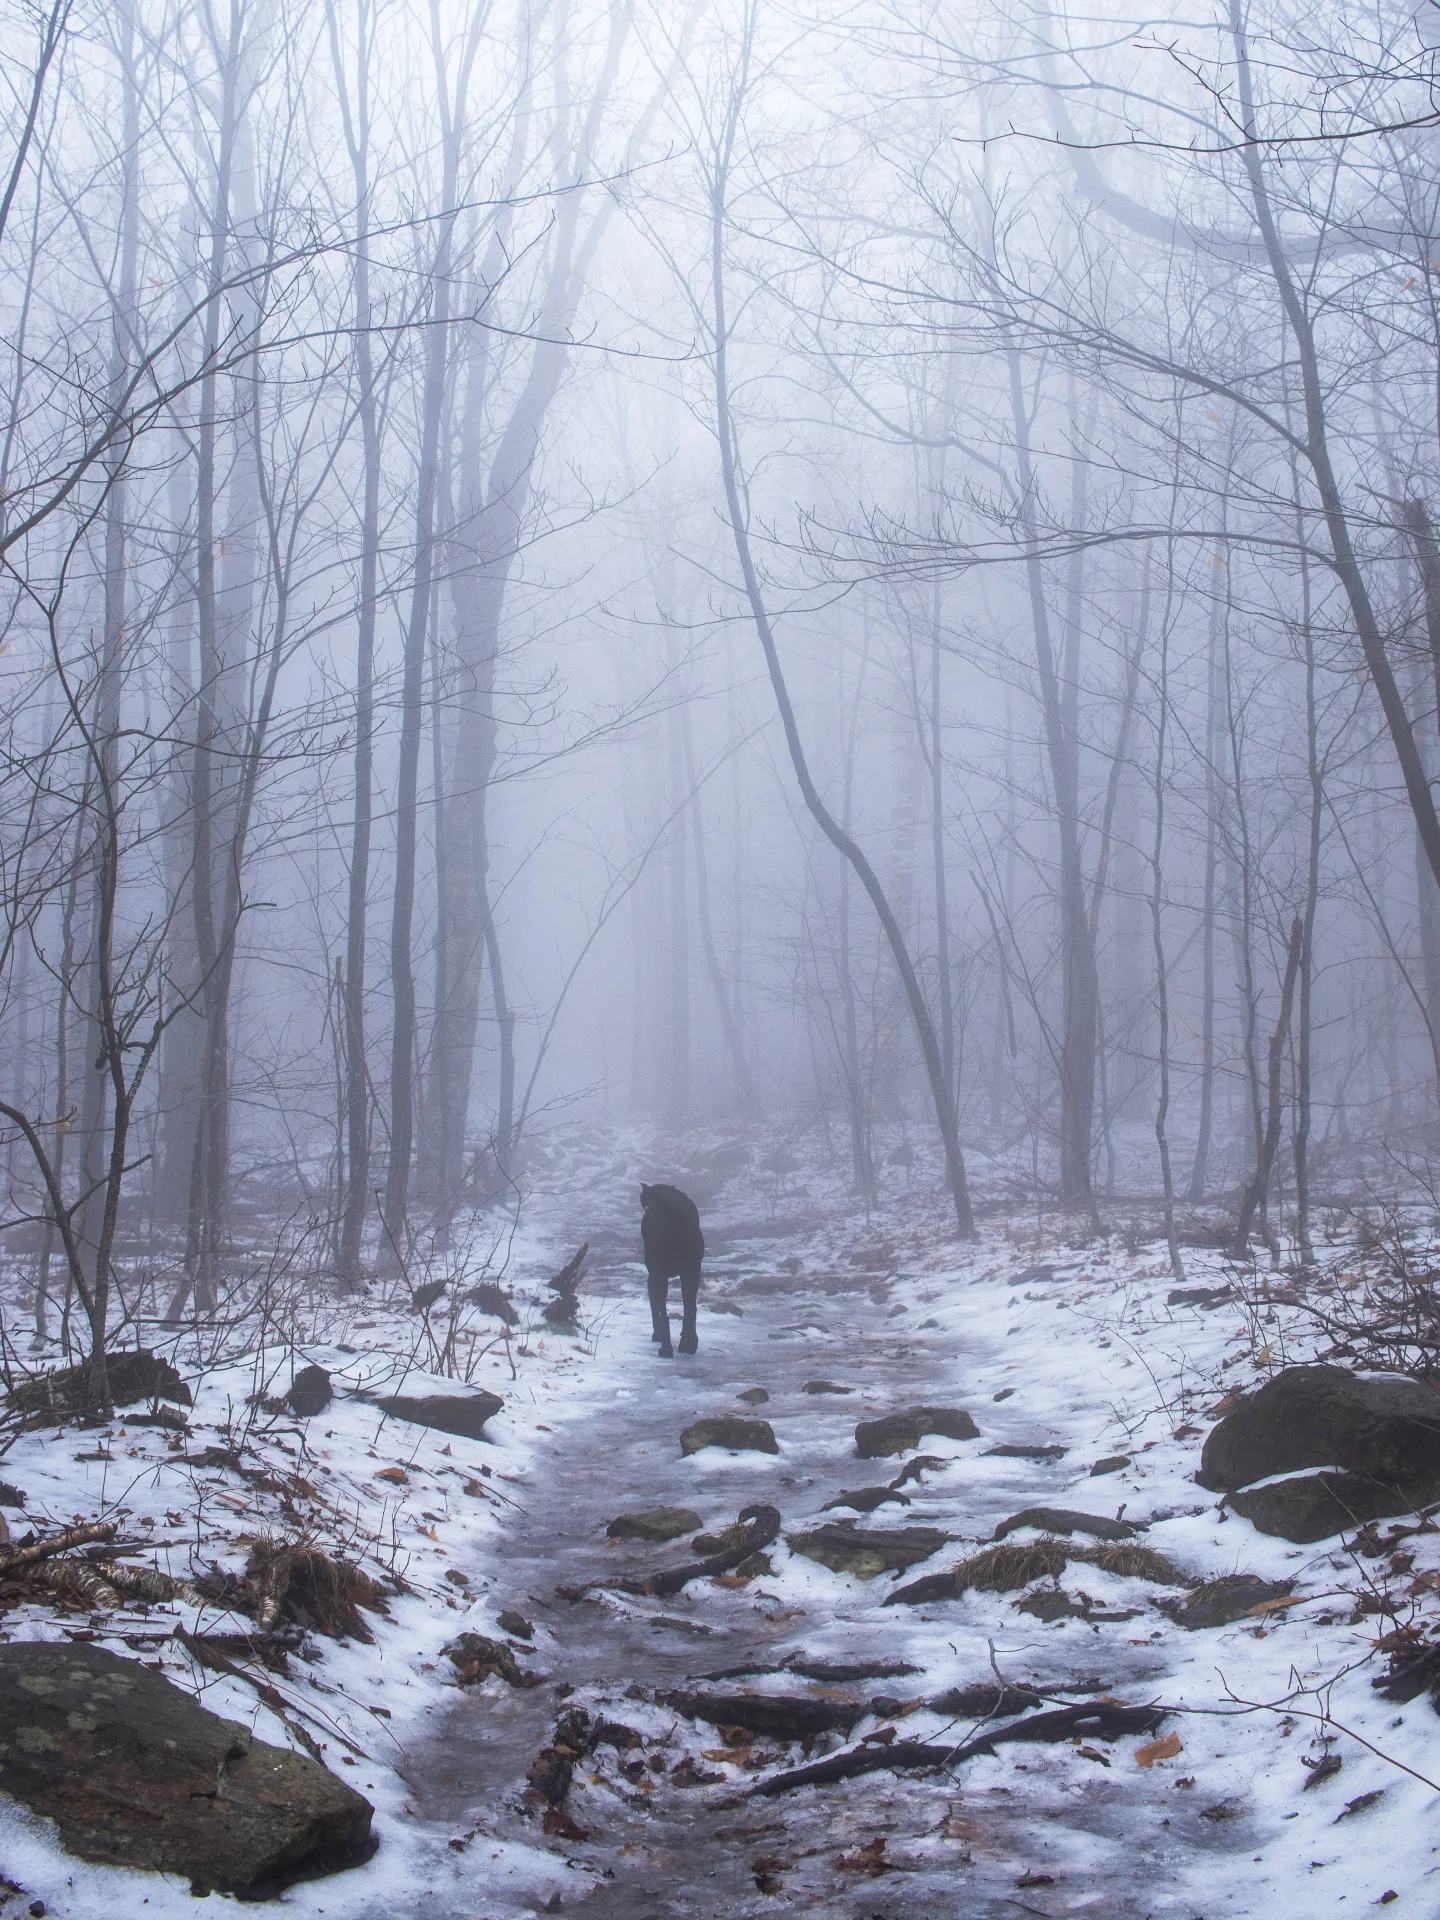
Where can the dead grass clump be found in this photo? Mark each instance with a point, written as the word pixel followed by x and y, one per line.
pixel 1134 1563
pixel 294 1581
pixel 1005 1569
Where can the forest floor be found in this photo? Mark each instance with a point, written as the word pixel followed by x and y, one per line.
pixel 1051 1340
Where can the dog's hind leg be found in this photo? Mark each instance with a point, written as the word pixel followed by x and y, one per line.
pixel 689 1294
pixel 659 1285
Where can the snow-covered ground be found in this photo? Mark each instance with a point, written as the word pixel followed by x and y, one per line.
pixel 1047 1337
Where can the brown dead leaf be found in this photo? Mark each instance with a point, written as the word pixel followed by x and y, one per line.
pixel 867 1859
pixel 1154 1750
pixel 1272 1606
pixel 1186 1432
pixel 735 1581
pixel 396 1476
pixel 558 1822
pixel 1036 1880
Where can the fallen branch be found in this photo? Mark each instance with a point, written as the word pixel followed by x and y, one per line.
pixel 1102 1721
pixel 12 1557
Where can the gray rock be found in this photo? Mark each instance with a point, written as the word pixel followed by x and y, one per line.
pixel 1015 1451
pixel 464 1414
pixel 1219 1603
pixel 1387 1429
pixel 136 1773
pixel 730 1430
pixel 864 1553
pixel 824 1386
pixel 1312 1506
pixel 900 1432
pixel 753 1396
pixel 653 1524
pixel 1062 1520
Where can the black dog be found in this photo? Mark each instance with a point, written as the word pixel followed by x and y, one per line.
pixel 674 1247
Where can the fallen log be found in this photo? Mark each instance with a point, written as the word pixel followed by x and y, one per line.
pixel 1100 1721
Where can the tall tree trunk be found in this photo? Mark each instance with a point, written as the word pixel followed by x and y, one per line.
pixel 356 121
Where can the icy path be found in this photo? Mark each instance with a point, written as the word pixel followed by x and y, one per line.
pixel 1035 1829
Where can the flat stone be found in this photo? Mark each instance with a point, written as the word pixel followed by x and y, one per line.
pixel 136 1773
pixel 1307 1507
pixel 824 1386
pixel 654 1524
pixel 1219 1603
pixel 1308 1418
pixel 900 1432
pixel 753 1396
pixel 731 1431
pixel 1112 1463
pixel 1062 1520
pixel 1052 1603
pixel 867 1499
pixel 864 1553
pixel 1015 1451
pixel 464 1414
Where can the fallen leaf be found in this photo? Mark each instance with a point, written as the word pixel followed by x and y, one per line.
pixel 867 1859
pixel 397 1476
pixel 1154 1750
pixel 1358 1804
pixel 1036 1880
pixel 1272 1606
pixel 1185 1433
pixel 558 1822
pixel 734 1581
pixel 1325 1769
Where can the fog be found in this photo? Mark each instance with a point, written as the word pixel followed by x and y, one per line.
pixel 866 579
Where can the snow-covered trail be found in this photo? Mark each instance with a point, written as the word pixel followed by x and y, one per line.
pixel 1107 1840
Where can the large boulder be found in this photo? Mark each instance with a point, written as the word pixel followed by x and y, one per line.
pixel 136 1773
pixel 1305 1507
pixel 902 1432
pixel 1385 1428
pixel 464 1414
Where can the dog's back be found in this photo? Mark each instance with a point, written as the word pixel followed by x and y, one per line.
pixel 670 1230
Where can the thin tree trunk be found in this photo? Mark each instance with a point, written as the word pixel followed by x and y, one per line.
pixel 739 526
pixel 1258 1186
pixel 357 1079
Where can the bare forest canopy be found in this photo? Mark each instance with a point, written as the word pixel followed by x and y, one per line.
pixel 869 571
